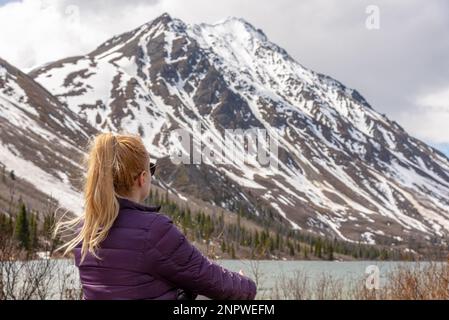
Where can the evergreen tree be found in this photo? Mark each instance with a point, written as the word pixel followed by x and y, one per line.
pixel 383 255
pixel 272 244
pixel 318 248
pixel 3 224
pixel 278 241
pixel 22 229
pixel 48 225
pixel 306 252
pixel 208 228
pixel 33 232
pixel 166 197
pixel 232 251
pixel 330 253
pixel 223 246
pixel 291 248
pixel 256 239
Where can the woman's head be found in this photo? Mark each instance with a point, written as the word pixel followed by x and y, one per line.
pixel 117 166
pixel 120 163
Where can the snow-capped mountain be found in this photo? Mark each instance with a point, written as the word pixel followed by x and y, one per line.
pixel 344 169
pixel 40 140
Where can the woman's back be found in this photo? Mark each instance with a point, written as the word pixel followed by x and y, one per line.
pixel 145 256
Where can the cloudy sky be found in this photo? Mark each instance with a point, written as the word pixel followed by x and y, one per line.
pixel 402 68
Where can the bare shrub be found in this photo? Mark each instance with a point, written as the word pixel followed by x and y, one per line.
pixel 288 288
pixel 422 281
pixel 328 287
pixel 428 281
pixel 24 276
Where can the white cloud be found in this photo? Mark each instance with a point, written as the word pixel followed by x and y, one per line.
pixel 34 32
pixel 437 101
pixel 429 120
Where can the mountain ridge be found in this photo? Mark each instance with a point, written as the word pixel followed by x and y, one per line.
pixel 345 169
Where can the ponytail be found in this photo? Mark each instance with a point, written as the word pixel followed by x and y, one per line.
pixel 112 164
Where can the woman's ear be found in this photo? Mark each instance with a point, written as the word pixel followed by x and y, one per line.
pixel 143 178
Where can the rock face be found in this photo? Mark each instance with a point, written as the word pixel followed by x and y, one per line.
pixel 344 169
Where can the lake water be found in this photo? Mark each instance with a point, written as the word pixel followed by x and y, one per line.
pixel 348 273
pixel 269 274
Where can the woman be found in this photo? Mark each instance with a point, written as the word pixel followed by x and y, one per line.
pixel 126 250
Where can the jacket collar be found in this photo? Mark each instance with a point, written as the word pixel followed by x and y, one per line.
pixel 128 204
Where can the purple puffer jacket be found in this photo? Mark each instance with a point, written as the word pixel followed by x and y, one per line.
pixel 146 257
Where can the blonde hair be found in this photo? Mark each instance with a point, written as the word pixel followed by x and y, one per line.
pixel 113 164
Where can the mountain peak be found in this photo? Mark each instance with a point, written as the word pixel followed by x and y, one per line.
pixel 234 23
pixel 167 22
pixel 164 18
pixel 231 19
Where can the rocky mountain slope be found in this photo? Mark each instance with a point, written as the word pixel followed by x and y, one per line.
pixel 41 140
pixel 344 169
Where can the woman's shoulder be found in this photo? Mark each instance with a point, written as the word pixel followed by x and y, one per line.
pixel 128 205
pixel 137 215
pixel 136 219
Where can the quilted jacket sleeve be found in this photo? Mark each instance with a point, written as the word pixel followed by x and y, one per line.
pixel 170 256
